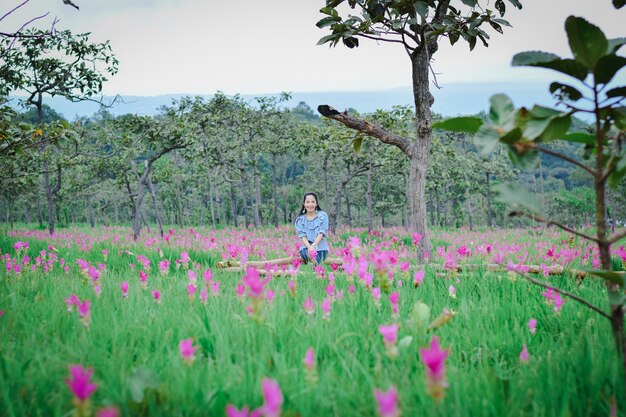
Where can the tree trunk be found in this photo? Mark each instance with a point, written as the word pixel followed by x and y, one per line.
pixel 419 152
pixel 137 216
pixel 244 196
pixel 468 206
pixel 370 174
pixel 39 209
pixel 325 172
pixel 275 189
pixel 257 194
pixel 233 202
pixel 92 220
pixel 348 213
pixel 335 218
pixel 211 207
pixel 156 207
pixel 489 212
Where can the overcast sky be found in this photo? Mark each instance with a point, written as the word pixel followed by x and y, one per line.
pixel 265 46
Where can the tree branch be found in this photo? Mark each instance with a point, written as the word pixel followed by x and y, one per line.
pixel 366 127
pixel 617 238
pixel 568 159
pixel 567 294
pixel 553 222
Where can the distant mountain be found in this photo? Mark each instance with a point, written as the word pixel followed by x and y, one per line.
pixel 451 100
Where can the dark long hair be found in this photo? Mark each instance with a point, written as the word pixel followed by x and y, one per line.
pixel 317 201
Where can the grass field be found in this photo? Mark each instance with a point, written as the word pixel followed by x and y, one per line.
pixel 133 343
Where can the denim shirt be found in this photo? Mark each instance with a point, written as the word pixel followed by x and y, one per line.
pixel 312 228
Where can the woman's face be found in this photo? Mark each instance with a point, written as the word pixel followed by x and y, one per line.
pixel 310 203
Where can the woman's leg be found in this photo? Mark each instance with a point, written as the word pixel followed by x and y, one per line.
pixel 321 256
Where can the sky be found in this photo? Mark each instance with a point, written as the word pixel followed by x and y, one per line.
pixel 268 46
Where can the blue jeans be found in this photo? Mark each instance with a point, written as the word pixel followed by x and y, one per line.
pixel 321 255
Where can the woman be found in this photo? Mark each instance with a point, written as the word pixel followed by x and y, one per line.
pixel 312 228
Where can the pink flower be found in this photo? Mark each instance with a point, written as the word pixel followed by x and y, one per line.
pixel 523 356
pixel 124 287
pixel 292 288
pixel 330 290
pixel 273 397
pixel 84 312
pixel 204 296
pixel 215 288
pixel 326 307
pixel 187 350
pixel 309 359
pixel 417 238
pixel 192 276
pixel 351 289
pixel 312 254
pixel 72 301
pixel 532 326
pixel 394 298
pixel 207 275
pixel 434 358
pixel 309 305
pixel 387 402
pixel 232 411
pixel 389 333
pixel 376 294
pixel 241 289
pixel 108 412
pixel 143 277
pixel 156 295
pixel 452 291
pixel 558 302
pixel 164 266
pixel 269 296
pixel 253 282
pixel 80 382
pixel 191 290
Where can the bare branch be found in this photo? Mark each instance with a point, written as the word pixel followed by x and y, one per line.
pixel 567 294
pixel 553 222
pixel 13 10
pixel 568 159
pixel 617 237
pixel 366 127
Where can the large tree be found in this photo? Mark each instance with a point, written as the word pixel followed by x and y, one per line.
pixel 66 65
pixel 417 26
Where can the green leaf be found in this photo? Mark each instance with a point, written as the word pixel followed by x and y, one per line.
pixel 550 61
pixel 327 21
pixel 421 9
pixel 405 342
pixel 607 67
pixel 618 173
pixel 616 92
pixel 516 3
pixel 565 91
pixel 356 143
pixel 142 378
pixel 580 137
pixel 486 139
pixel 587 42
pixel 527 160
pixel 501 109
pixel 460 124
pixel 420 314
pixel 351 42
pixel 500 7
pixel 518 196
pixel 470 3
pixel 328 38
pixel 615 44
pixel 557 128
pixel 607 275
pixel 532 58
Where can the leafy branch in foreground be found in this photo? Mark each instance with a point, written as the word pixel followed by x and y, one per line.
pixel 524 131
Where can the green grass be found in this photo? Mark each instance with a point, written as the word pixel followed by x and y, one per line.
pixel 573 368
